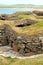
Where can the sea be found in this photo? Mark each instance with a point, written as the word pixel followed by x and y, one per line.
pixel 14 10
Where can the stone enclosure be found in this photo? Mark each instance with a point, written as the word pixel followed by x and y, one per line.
pixel 24 44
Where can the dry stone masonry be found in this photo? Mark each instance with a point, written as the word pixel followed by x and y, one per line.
pixel 23 44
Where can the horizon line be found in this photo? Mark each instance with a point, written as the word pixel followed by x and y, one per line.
pixel 20 4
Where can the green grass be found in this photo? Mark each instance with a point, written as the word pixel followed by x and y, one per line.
pixel 33 29
pixel 16 61
pixel 7 60
pixel 39 17
pixel 36 61
pixel 31 16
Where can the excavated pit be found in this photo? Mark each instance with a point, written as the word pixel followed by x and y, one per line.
pixel 26 22
pixel 23 25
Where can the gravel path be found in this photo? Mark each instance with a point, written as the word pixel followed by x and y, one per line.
pixel 7 51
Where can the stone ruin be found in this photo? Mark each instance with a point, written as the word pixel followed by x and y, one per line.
pixel 3 36
pixel 26 22
pixel 23 44
pixel 5 33
pixel 3 17
pixel 28 45
pixel 39 13
pixel 8 17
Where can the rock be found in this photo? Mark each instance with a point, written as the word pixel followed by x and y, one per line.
pixel 28 44
pixel 19 37
pixel 15 47
pixel 21 46
pixel 39 13
pixel 3 17
pixel 41 40
pixel 27 50
pixel 21 51
pixel 36 44
pixel 42 48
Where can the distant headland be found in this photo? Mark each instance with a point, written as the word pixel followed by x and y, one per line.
pixel 21 6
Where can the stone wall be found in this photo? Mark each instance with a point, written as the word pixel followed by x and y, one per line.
pixel 23 44
pixel 6 33
pixel 28 45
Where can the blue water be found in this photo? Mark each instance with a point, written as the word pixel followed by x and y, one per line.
pixel 13 10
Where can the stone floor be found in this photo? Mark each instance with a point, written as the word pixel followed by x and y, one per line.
pixel 8 52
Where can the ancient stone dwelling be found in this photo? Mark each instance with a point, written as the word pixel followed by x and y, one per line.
pixel 2 36
pixel 21 43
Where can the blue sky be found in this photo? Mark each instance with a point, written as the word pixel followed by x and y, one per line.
pixel 36 2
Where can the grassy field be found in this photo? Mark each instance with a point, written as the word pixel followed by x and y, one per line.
pixel 16 61
pixel 33 29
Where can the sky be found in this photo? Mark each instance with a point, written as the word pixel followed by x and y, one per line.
pixel 36 2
